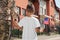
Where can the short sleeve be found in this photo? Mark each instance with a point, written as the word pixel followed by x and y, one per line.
pixel 21 22
pixel 37 23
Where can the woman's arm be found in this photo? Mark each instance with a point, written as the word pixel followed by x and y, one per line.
pixel 37 29
pixel 15 24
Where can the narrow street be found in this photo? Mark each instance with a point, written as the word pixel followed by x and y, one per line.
pixel 28 16
pixel 44 37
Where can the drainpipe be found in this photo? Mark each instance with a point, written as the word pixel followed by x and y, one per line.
pixel 48 9
pixel 59 17
pixel 39 9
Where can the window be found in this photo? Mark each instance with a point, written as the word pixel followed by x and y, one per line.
pixel 41 11
pixel 45 12
pixel 17 10
pixel 23 11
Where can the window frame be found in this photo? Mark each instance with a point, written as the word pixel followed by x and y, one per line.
pixel 24 13
pixel 41 10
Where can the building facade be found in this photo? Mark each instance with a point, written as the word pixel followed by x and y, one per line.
pixel 42 8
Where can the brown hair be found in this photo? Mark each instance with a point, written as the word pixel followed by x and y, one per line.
pixel 30 8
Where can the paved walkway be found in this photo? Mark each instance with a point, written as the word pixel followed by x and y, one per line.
pixel 44 37
pixel 52 37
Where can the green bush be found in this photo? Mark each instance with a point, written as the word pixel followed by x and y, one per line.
pixel 16 32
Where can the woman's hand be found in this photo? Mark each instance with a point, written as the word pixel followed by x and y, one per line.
pixel 37 29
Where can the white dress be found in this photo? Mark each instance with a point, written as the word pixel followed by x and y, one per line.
pixel 29 24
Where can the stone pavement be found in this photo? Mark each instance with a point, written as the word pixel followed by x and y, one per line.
pixel 51 37
pixel 44 37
